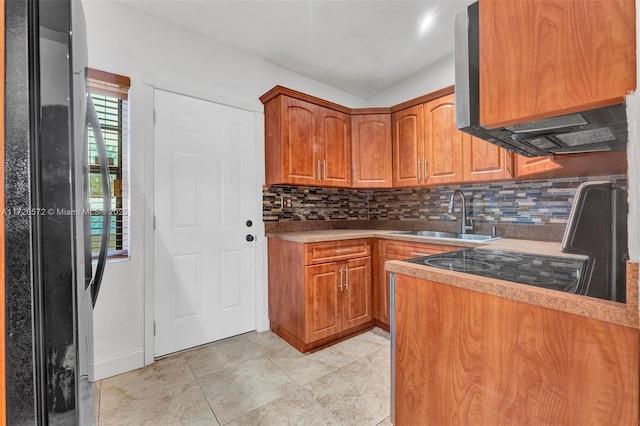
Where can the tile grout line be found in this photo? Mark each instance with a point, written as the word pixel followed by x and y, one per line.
pixel 325 409
pixel 268 402
pixel 197 380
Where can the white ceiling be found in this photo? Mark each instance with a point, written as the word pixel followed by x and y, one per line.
pixel 360 46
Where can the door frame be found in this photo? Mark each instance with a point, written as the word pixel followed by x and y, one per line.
pixel 150 85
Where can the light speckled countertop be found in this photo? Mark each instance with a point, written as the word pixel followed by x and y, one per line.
pixel 502 244
pixel 619 313
pixel 350 234
pixel 329 235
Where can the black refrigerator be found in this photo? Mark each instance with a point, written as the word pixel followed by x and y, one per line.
pixel 52 281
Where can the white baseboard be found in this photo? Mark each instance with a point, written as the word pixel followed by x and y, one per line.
pixel 118 364
pixel 262 325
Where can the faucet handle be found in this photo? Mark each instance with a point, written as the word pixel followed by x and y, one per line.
pixel 470 226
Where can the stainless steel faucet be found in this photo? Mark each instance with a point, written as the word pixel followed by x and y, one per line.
pixel 463 225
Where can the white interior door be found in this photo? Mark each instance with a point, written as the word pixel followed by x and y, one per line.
pixel 204 170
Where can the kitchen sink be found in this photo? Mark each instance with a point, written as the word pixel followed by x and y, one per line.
pixel 449 235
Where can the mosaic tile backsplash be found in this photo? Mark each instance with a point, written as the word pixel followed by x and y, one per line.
pixel 536 202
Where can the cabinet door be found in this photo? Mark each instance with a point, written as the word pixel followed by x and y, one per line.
pixel 300 154
pixel 484 161
pixel 526 166
pixel 356 292
pixel 443 142
pixel 334 138
pixel 547 57
pixel 408 147
pixel 322 301
pixel 371 151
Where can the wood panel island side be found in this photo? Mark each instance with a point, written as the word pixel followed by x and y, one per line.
pixel 478 352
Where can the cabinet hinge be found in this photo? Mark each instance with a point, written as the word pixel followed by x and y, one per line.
pixel 154 222
pixel 154 116
pixel 154 329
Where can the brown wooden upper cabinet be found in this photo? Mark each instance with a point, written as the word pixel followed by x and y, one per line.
pixel 306 143
pixel 567 165
pixel 542 58
pixel 429 150
pixel 484 161
pixel 526 166
pixel 371 150
pixel 313 142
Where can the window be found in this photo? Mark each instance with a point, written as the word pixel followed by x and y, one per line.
pixel 110 97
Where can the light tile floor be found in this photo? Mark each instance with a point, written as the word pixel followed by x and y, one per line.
pixel 256 379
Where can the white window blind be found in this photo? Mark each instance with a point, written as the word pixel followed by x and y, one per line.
pixel 111 100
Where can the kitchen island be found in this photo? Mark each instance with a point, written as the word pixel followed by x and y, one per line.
pixel 474 350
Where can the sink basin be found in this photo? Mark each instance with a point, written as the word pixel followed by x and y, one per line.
pixel 449 235
pixel 476 237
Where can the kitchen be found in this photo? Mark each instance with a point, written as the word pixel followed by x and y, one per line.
pixel 156 60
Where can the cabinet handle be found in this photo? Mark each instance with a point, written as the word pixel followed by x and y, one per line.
pixel 426 168
pixel 319 171
pixel 344 250
pixel 419 254
pixel 419 169
pixel 324 169
pixel 346 282
pixel 340 279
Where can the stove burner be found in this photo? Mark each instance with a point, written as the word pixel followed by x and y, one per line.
pixel 539 280
pixel 460 265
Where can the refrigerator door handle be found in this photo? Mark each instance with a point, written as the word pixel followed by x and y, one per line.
pixel 92 120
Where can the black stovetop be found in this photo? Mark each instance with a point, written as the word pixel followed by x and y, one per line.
pixel 556 273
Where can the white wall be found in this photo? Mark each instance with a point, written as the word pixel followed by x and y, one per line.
pixel 439 75
pixel 156 54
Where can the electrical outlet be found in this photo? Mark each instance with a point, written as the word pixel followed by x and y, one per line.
pixel 285 202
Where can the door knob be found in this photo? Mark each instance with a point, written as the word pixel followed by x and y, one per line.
pixel 250 237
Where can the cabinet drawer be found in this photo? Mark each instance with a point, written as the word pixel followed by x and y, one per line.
pixel 330 251
pixel 400 250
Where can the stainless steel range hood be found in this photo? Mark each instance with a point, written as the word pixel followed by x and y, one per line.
pixel 602 129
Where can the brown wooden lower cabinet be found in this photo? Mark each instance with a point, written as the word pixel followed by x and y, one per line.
pixel 463 357
pixel 319 292
pixel 395 250
pixel 338 297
